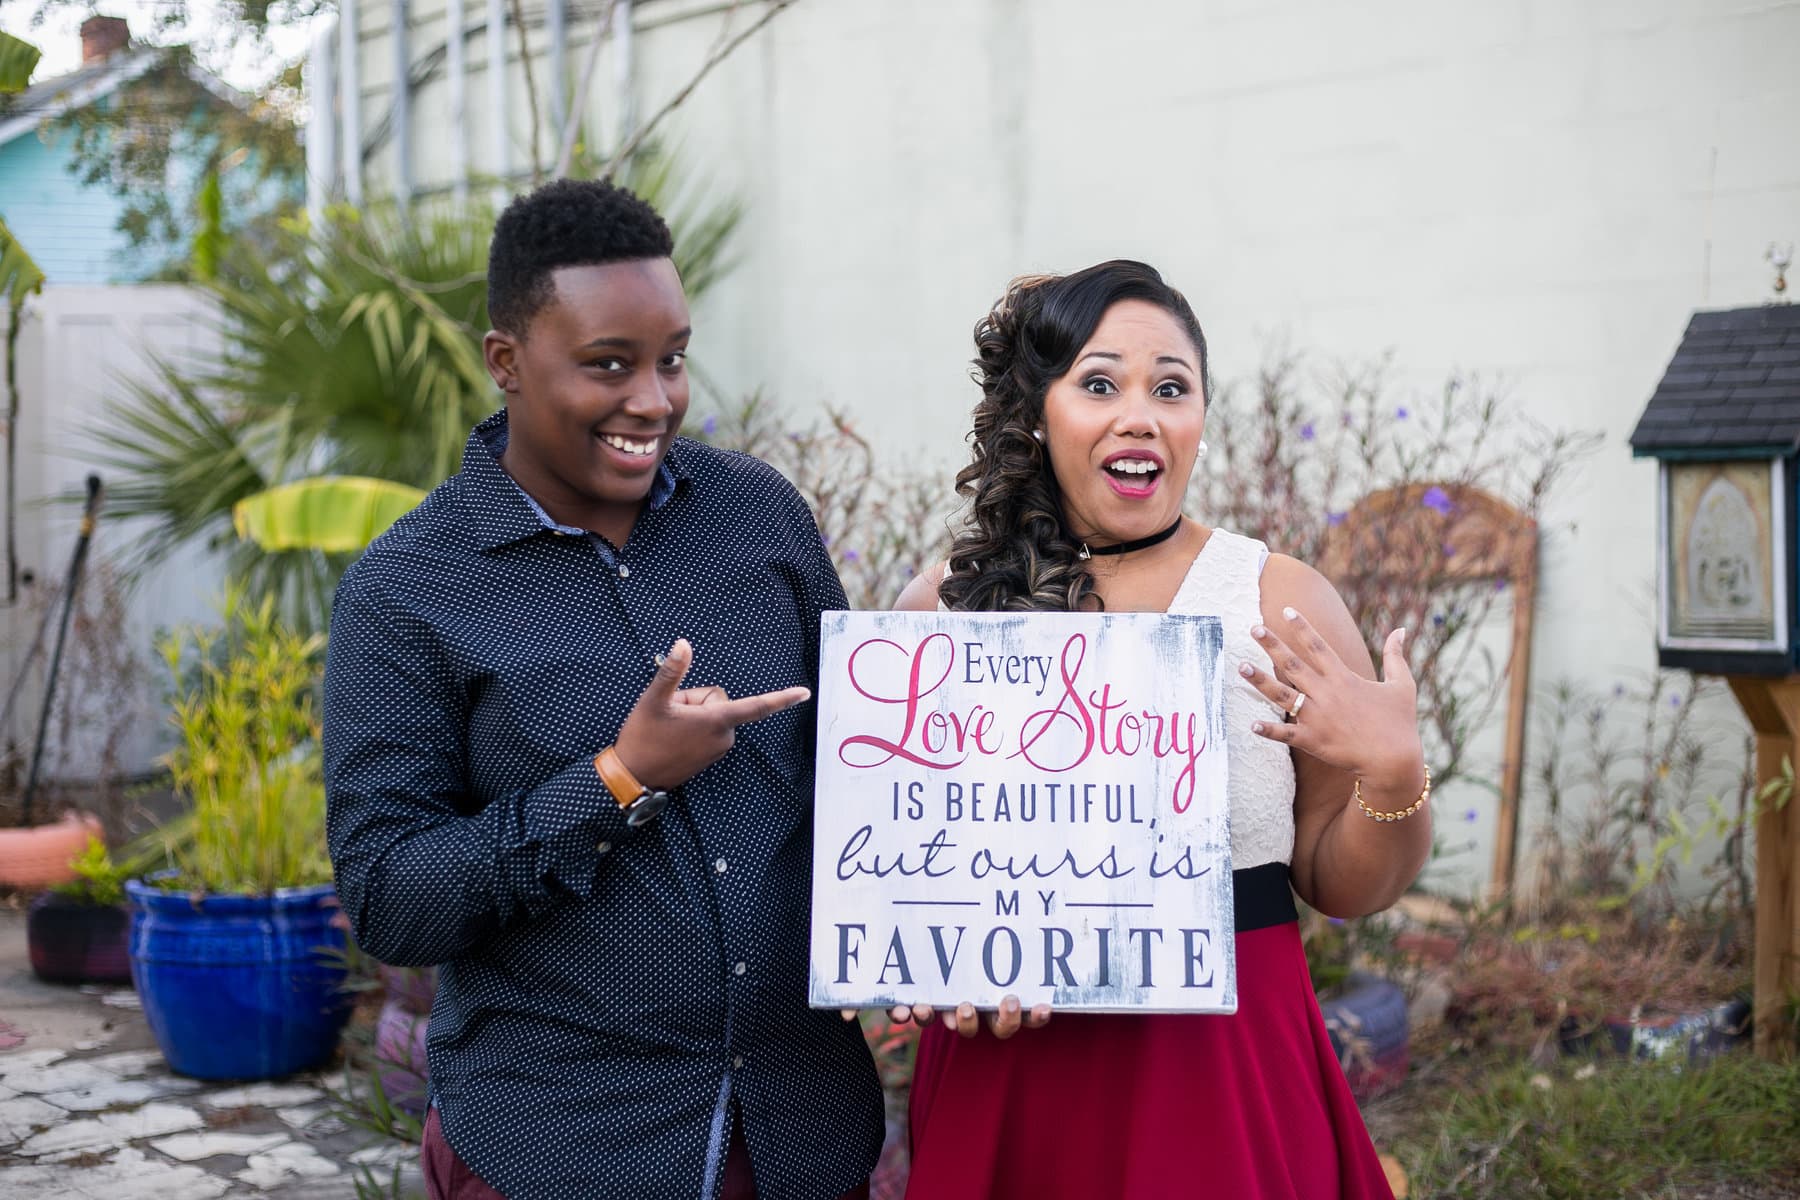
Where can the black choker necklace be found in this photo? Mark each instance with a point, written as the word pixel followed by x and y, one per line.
pixel 1143 543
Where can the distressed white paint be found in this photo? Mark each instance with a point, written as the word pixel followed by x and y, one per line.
pixel 1033 805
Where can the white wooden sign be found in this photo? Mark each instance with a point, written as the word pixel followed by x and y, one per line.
pixel 1025 804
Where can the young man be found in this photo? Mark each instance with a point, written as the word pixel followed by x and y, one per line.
pixel 609 868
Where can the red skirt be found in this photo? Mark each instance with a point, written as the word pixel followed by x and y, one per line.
pixel 1252 1106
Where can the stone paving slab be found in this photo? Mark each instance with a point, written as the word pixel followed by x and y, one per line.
pixel 90 1111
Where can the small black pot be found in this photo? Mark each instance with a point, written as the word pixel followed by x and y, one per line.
pixel 73 941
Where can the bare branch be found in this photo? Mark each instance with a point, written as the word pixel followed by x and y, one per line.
pixel 720 52
pixel 565 156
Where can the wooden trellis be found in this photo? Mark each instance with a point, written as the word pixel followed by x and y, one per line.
pixel 1396 546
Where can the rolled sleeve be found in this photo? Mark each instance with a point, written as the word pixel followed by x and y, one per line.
pixel 421 878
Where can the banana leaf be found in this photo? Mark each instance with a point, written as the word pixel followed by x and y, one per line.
pixel 18 59
pixel 334 513
pixel 19 275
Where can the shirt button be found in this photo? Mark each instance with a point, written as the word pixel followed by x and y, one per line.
pixel 737 1061
pixel 719 866
pixel 603 847
pixel 741 968
pixel 624 571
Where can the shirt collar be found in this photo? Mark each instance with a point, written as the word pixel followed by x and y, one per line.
pixel 500 511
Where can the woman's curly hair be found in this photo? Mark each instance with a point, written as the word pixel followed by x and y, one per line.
pixel 1013 553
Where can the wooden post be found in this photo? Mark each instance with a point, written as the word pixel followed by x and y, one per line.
pixel 1773 708
pixel 1512 765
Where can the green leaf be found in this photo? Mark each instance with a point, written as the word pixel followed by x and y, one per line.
pixel 19 275
pixel 209 238
pixel 18 59
pixel 334 513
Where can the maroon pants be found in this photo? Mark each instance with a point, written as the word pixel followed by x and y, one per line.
pixel 447 1177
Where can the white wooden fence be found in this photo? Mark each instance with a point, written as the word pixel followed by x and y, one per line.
pixel 78 347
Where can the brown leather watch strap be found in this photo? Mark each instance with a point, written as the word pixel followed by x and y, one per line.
pixel 617 777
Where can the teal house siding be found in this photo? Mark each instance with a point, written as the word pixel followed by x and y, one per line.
pixel 71 230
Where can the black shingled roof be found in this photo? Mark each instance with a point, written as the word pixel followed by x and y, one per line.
pixel 1734 384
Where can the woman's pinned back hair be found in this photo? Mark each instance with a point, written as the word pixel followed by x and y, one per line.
pixel 1013 554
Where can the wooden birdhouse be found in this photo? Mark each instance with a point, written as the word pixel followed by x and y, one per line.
pixel 1724 427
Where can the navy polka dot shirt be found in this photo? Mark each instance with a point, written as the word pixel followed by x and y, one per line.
pixel 609 998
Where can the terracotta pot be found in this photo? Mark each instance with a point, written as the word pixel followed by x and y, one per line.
pixel 39 855
pixel 73 941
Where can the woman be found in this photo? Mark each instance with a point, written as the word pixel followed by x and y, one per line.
pixel 1090 424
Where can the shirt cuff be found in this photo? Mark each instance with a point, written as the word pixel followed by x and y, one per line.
pixel 573 823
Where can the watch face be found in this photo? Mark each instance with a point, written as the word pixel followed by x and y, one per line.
pixel 645 808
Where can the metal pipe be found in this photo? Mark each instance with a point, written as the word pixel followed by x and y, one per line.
pixel 89 513
pixel 559 68
pixel 624 101
pixel 496 89
pixel 402 67
pixel 458 70
pixel 321 124
pixel 351 94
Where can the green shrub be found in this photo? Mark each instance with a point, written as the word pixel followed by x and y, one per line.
pixel 248 758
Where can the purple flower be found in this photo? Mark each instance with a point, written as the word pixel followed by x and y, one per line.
pixel 1345 419
pixel 1471 815
pixel 1449 550
pixel 1437 500
pixel 1307 432
pixel 1400 414
pixel 852 556
pixel 1499 585
pixel 1675 700
pixel 1437 619
pixel 1618 690
pixel 1335 518
pixel 1334 920
pixel 709 426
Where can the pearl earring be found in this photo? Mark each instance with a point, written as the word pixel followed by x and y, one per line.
pixel 1038 434
pixel 1202 453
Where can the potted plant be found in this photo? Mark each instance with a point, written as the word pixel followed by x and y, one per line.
pixel 235 952
pixel 76 932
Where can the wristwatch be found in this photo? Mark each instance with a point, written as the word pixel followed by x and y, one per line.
pixel 640 804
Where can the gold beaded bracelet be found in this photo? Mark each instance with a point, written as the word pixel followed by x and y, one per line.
pixel 1403 813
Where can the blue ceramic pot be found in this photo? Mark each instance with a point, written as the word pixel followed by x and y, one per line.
pixel 240 987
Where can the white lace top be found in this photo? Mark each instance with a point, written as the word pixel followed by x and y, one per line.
pixel 1226 581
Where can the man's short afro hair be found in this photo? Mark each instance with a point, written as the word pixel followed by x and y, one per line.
pixel 566 223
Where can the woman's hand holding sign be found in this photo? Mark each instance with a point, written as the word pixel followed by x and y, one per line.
pixel 673 734
pixel 1003 1022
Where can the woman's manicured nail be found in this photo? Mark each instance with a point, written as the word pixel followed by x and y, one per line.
pixel 1290 614
pixel 1247 671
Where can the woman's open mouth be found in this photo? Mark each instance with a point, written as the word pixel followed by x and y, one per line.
pixel 1133 473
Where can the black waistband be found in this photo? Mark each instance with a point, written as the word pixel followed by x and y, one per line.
pixel 1261 897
